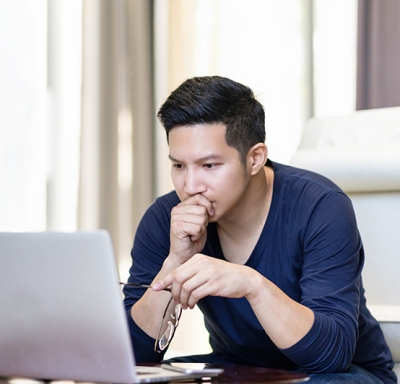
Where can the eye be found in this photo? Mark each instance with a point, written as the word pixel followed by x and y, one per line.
pixel 177 166
pixel 209 166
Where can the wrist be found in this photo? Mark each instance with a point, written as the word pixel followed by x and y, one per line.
pixel 171 263
pixel 258 289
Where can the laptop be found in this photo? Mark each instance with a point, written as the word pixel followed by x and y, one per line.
pixel 62 316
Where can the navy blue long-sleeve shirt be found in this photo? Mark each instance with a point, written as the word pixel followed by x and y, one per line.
pixel 311 249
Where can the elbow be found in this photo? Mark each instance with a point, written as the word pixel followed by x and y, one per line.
pixel 338 364
pixel 336 361
pixel 328 348
pixel 335 356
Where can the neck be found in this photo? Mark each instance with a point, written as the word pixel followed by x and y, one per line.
pixel 251 214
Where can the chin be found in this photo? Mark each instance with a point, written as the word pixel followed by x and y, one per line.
pixel 213 219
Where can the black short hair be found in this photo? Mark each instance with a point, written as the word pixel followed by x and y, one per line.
pixel 216 99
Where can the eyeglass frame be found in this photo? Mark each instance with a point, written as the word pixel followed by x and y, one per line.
pixel 159 345
pixel 176 315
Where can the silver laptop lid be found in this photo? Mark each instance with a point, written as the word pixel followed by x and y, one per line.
pixel 61 308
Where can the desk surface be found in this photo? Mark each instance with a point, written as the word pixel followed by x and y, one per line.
pixel 232 374
pixel 247 374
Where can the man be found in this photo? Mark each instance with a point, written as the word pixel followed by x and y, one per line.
pixel 271 254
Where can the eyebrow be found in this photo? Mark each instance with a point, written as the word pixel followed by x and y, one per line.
pixel 200 160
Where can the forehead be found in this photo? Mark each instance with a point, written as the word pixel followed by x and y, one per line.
pixel 199 141
pixel 215 129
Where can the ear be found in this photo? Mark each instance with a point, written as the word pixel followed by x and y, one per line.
pixel 256 158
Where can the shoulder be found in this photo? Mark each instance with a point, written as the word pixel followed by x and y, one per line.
pixel 304 188
pixel 152 233
pixel 291 177
pixel 159 212
pixel 307 196
pixel 165 202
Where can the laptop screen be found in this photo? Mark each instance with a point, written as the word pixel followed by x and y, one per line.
pixel 61 308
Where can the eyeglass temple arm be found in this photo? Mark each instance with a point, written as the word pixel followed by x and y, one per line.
pixel 142 285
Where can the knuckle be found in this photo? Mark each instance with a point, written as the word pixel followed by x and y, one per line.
pixel 203 210
pixel 178 279
pixel 174 210
pixel 185 287
pixel 174 225
pixel 203 260
pixel 196 296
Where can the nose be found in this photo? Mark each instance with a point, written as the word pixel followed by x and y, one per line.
pixel 193 182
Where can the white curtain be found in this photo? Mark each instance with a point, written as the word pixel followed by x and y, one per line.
pixel 116 168
pixel 40 53
pixel 298 56
pixel 263 44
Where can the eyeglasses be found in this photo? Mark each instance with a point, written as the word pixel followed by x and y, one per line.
pixel 168 324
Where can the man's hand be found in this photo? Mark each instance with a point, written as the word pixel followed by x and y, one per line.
pixel 189 221
pixel 204 276
pixel 283 319
pixel 188 234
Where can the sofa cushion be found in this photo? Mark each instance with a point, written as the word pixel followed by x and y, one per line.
pixel 389 319
pixel 354 169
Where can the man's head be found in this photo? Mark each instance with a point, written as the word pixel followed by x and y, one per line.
pixel 215 99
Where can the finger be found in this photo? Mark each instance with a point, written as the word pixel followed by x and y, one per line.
pixel 193 290
pixel 163 283
pixel 184 229
pixel 190 214
pixel 190 210
pixel 196 295
pixel 188 278
pixel 200 200
pixel 181 219
pixel 181 288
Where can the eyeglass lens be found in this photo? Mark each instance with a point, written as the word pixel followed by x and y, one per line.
pixel 168 325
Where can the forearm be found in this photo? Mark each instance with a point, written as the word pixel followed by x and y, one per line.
pixel 147 312
pixel 327 345
pixel 283 319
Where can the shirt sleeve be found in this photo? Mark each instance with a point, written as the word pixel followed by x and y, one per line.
pixel 143 344
pixel 333 258
pixel 150 248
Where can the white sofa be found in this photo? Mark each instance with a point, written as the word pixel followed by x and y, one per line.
pixel 361 153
